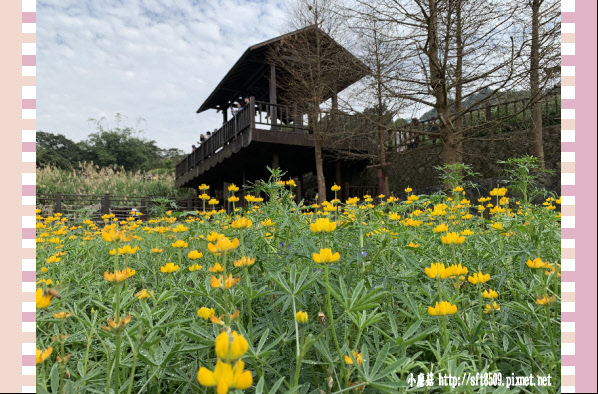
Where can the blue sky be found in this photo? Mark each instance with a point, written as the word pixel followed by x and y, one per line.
pixel 156 60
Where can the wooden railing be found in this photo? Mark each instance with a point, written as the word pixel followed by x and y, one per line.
pixel 280 117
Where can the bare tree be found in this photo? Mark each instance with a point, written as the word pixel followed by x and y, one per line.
pixel 312 68
pixel 450 50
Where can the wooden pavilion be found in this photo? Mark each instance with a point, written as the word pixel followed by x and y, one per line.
pixel 264 132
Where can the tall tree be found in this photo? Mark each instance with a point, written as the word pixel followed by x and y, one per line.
pixel 56 150
pixel 310 64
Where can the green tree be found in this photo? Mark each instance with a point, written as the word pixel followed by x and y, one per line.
pixel 56 150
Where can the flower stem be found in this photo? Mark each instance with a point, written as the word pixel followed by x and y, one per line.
pixel 329 302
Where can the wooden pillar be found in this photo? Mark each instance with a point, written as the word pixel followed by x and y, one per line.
pixel 274 160
pixel 298 189
pixel 381 183
pixel 58 208
pixel 224 115
pixel 273 99
pixel 242 193
pixel 338 175
pixel 346 189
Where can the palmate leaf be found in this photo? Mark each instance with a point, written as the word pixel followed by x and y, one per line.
pixel 359 299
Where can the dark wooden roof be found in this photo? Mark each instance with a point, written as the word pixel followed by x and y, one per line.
pixel 250 74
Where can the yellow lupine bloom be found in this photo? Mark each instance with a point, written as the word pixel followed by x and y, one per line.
pixel 467 232
pixel 43 298
pixel 326 256
pixel 357 356
pixel 225 377
pixel 441 228
pixel 241 223
pixel 143 294
pixel 489 308
pixel 223 245
pixel 436 270
pixel 194 254
pixel 233 199
pixel 452 238
pixel 157 250
pixel 126 249
pixel 408 190
pixel 61 315
pixel 195 267
pixel 112 235
pixel 179 244
pixel 301 317
pixel 538 263
pixel 267 223
pixel 244 262
pixel 203 186
pixel 335 188
pixel 42 355
pixel 169 268
pixel 412 245
pixel 394 216
pixel 53 259
pixel 545 300
pixel 233 188
pixel 442 309
pixel 489 294
pixel 322 225
pixel 216 268
pixel 118 276
pixel 205 313
pixel 478 277
pixel 214 236
pixel 230 347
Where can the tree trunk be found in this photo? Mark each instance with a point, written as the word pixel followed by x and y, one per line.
pixel 459 85
pixel 320 170
pixel 535 92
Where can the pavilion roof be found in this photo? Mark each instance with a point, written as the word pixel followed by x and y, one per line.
pixel 249 76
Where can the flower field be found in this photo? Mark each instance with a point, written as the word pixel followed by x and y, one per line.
pixel 366 295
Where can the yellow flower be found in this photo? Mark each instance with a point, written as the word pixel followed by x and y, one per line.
pixel 326 256
pixel 335 188
pixel 489 294
pixel 44 270
pixel 452 238
pixel 408 190
pixel 412 198
pixel 322 225
pixel 61 315
pixel 143 294
pixel 230 281
pixel 394 216
pixel 356 356
pixel 214 236
pixel 291 183
pixel 118 276
pixel 53 259
pixel 126 249
pixel 116 327
pixel 442 309
pixel 489 308
pixel 42 355
pixel 213 201
pixel 545 301
pixel 233 188
pixel 267 223
pixel 441 228
pixel 478 277
pixel 233 199
pixel 301 317
pixel 223 245
pixel 225 377
pixel 467 232
pixel 230 347
pixel 497 226
pixel 203 186
pixel 112 252
pixel 205 313
pixel 455 270
pixel 537 263
pixel 195 267
pixel 112 235
pixel 216 282
pixel 412 245
pixel 458 189
pixel 204 196
pixel 169 268
pixel 216 268
pixel 241 223
pixel 194 254
pixel 180 244
pixel 157 250
pixel 436 269
pixel 244 262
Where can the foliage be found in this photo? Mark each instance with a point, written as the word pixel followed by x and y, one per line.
pixel 89 178
pixel 369 324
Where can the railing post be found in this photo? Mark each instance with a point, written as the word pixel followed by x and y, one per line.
pixel 142 208
pixel 252 112
pixel 295 118
pixel 488 112
pixel 106 204
pixel 58 203
pixel 189 203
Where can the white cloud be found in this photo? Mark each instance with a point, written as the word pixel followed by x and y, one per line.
pixel 157 60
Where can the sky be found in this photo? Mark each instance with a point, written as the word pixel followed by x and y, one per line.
pixel 154 60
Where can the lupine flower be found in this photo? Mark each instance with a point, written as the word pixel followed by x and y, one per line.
pixel 537 263
pixel 223 245
pixel 115 327
pixel 44 270
pixel 241 223
pixel 412 245
pixel 203 186
pixel 478 277
pixel 119 276
pixel 322 225
pixel 456 270
pixel 61 315
pixel 143 294
pixel 230 347
pixel 214 236
pixel 267 223
pixel 458 189
pixel 53 259
pixel 194 254
pixel 441 228
pixel 467 232
pixel 157 250
pixel 452 238
pixel 126 249
pixel 442 309
pixel 489 294
pixel 179 244
pixel 545 300
pixel 244 262
pixel 169 268
pixel 496 226
pixel 216 268
pixel 326 256
pixel 205 313
pixel 356 356
pixel 301 317
pixel 225 377
pixel 394 216
pixel 233 199
pixel 233 188
pixel 494 306
pixel 42 355
pixel 112 235
pixel 408 190
pixel 195 267
pixel 335 188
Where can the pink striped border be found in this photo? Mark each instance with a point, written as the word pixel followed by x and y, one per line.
pixel 28 265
